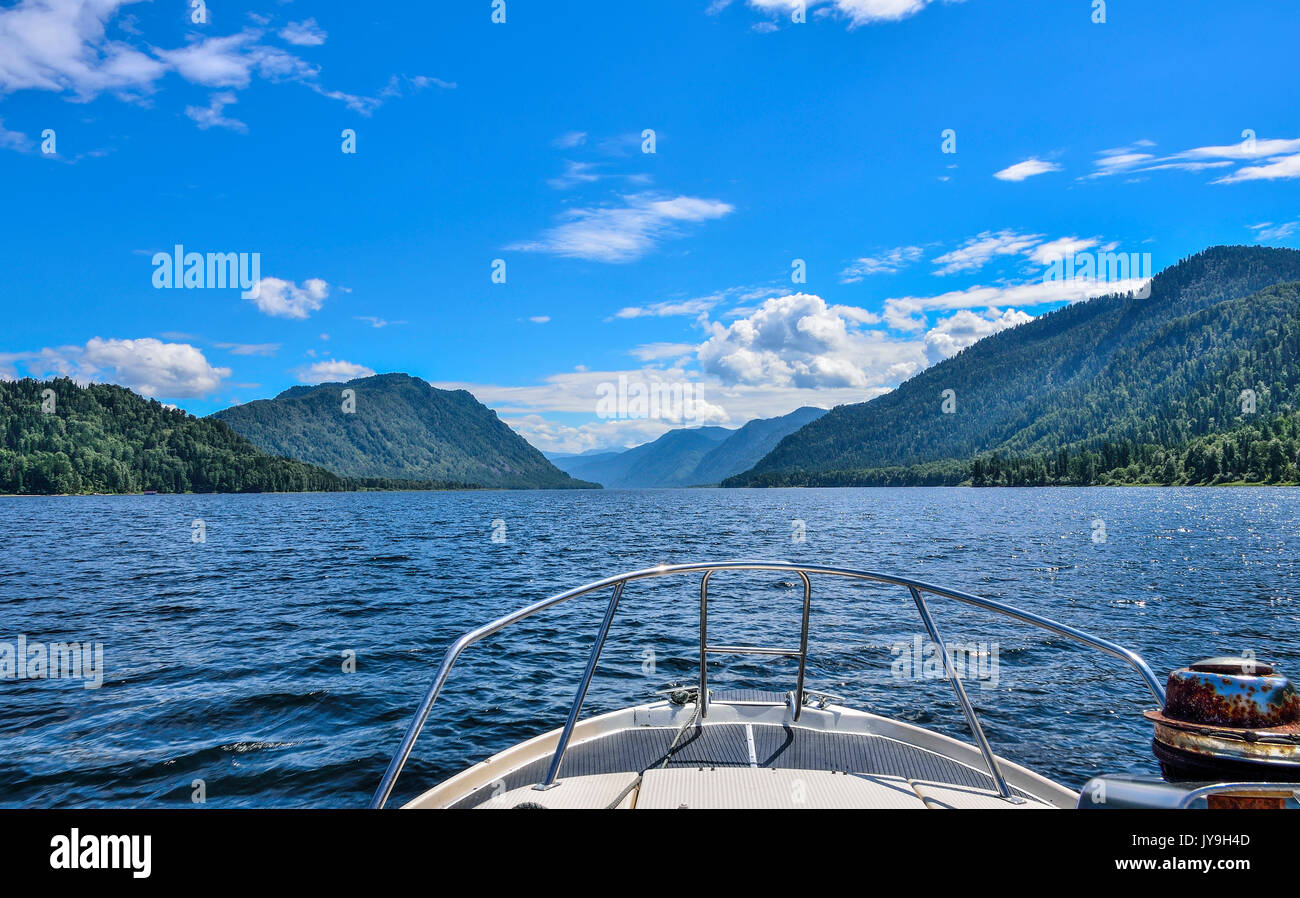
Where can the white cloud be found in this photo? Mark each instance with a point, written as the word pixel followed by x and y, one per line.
pixel 14 140
pixel 570 140
pixel 1276 169
pixel 888 262
pixel 1052 250
pixel 1281 158
pixel 147 365
pixel 800 341
pixel 303 34
pixel 331 371
pixel 263 349
pixel 1268 232
pixel 907 313
pixel 1027 169
pixel 858 12
pixel 955 333
pixel 60 45
pixel 626 232
pixel 285 299
pixel 978 251
pixel 211 116
pixel 652 352
pixel 152 367
pixel 539 319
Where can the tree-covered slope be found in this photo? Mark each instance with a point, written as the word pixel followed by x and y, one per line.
pixel 105 439
pixel 400 427
pixel 1160 370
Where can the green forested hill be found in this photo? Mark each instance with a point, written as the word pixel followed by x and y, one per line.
pixel 1137 375
pixel 106 439
pixel 401 427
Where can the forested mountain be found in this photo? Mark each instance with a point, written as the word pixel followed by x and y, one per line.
pixel 697 456
pixel 1145 374
pixel 395 426
pixel 747 446
pixel 665 462
pixel 104 438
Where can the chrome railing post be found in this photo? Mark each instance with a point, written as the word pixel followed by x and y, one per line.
pixel 966 708
pixel 703 698
pixel 581 694
pixel 803 645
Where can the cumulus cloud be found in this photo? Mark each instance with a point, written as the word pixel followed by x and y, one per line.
pixel 955 333
pixel 147 365
pixel 285 299
pixel 60 45
pixel 331 371
pixel 798 340
pixel 623 232
pixel 152 367
pixel 1027 169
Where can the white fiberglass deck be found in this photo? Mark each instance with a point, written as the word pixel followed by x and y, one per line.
pixel 747 754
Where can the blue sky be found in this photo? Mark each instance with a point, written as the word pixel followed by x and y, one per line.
pixel 1169 127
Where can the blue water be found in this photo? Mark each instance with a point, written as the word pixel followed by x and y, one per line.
pixel 224 659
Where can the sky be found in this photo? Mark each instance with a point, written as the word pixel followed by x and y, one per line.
pixel 759 204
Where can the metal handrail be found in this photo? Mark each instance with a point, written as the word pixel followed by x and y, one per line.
pixel 619 581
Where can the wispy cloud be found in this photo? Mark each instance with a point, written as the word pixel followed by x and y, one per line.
pixel 857 12
pixel 624 232
pixel 262 349
pixel 303 34
pixel 1278 158
pixel 978 251
pixel 887 262
pixel 570 140
pixel 1267 232
pixel 212 117
pixel 1027 169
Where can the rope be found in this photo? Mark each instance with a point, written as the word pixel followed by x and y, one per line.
pixel 695 715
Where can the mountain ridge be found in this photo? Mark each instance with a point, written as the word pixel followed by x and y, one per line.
pixel 396 426
pixel 1063 381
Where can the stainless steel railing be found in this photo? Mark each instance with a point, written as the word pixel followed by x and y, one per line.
pixel 916 588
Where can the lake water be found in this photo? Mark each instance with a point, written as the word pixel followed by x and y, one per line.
pixel 224 659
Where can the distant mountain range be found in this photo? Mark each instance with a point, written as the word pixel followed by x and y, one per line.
pixel 692 456
pixel 1197 383
pixel 395 426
